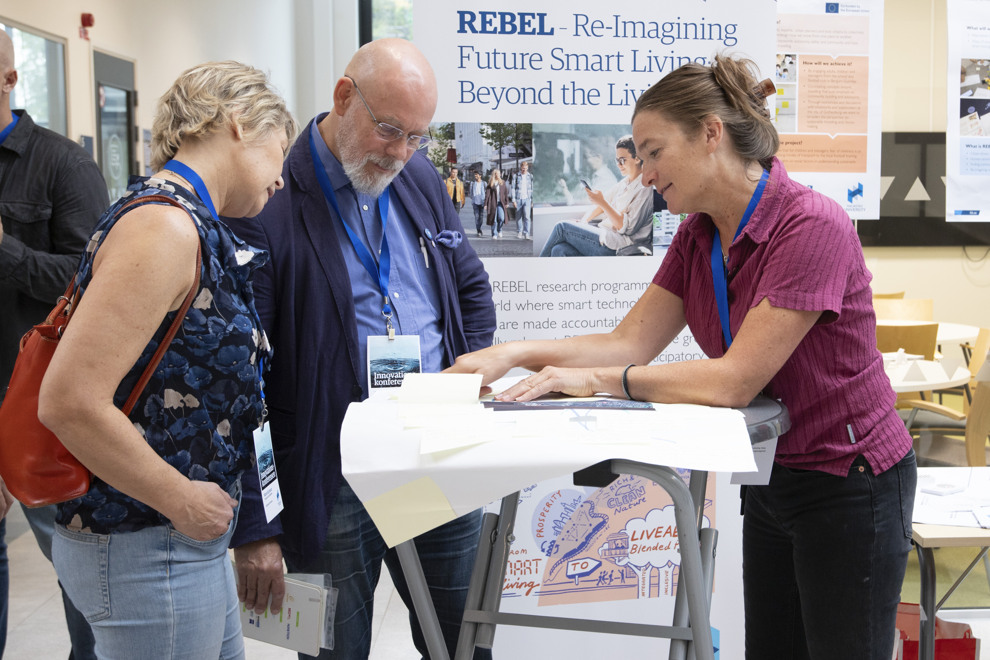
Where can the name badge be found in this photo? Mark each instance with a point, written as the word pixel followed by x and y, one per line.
pixel 389 360
pixel 271 494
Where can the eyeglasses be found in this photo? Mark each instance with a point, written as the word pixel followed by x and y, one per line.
pixel 390 133
pixel 622 160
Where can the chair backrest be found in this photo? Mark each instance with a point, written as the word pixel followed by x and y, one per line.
pixel 918 339
pixel 908 309
pixel 978 426
pixel 979 353
pixel 887 296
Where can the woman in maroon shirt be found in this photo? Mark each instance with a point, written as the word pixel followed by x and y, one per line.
pixel 770 278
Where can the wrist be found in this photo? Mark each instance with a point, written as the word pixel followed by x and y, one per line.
pixel 624 381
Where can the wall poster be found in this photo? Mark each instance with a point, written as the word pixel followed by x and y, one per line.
pixel 552 86
pixel 828 69
pixel 967 136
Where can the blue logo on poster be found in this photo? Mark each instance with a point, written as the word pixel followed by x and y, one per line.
pixel 853 193
pixel 831 7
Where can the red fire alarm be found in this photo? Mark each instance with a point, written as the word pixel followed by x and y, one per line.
pixel 87 20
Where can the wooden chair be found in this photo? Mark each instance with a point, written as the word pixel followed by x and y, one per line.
pixel 936 419
pixel 976 355
pixel 972 423
pixel 888 296
pixel 918 339
pixel 903 309
pixel 914 339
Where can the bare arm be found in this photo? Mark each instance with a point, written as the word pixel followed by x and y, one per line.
pixel 144 268
pixel 652 323
pixel 603 207
pixel 766 339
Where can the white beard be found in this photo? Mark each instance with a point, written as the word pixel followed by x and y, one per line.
pixel 355 165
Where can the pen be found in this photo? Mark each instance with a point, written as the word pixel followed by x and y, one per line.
pixel 422 246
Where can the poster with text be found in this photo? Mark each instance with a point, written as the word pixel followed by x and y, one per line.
pixel 828 69
pixel 543 95
pixel 967 135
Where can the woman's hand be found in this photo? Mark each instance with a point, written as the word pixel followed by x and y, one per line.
pixel 204 511
pixel 596 196
pixel 492 363
pixel 573 382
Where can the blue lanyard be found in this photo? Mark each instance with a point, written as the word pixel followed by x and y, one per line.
pixel 5 132
pixel 380 272
pixel 187 173
pixel 718 265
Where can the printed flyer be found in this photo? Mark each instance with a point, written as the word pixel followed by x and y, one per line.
pixel 828 74
pixel 967 135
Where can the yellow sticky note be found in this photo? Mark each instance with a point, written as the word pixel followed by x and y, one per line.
pixel 409 510
pixel 787 104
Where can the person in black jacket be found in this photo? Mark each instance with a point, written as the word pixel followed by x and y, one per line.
pixel 51 196
pixel 357 183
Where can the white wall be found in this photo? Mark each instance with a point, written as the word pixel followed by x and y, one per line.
pixel 302 44
pixel 957 279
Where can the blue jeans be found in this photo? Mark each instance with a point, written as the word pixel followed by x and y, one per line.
pixel 353 554
pixel 571 239
pixel 824 560
pixel 42 521
pixel 153 593
pixel 524 211
pixel 499 220
pixel 479 216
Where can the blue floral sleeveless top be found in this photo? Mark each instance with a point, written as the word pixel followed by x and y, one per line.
pixel 203 401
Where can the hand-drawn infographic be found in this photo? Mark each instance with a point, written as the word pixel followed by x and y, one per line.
pixel 590 545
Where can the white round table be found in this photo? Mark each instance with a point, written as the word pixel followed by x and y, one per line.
pixel 948 333
pixel 924 376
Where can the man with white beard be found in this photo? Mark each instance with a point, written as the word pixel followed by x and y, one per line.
pixel 366 255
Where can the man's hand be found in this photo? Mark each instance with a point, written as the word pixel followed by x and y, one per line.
pixel 260 574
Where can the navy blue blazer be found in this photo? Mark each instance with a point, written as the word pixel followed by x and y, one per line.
pixel 305 301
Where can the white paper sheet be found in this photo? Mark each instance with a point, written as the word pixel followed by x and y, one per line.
pixel 952 496
pixel 516 449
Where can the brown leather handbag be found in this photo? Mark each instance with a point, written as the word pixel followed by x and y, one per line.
pixel 37 469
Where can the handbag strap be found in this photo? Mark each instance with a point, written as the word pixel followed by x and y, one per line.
pixel 72 292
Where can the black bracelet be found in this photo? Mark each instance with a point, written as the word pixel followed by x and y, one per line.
pixel 625 382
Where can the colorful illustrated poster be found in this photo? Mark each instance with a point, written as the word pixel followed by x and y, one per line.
pixel 967 135
pixel 828 74
pixel 578 545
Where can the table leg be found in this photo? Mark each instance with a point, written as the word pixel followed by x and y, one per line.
pixel 926 634
pixel 419 591
pixel 692 573
pixel 467 638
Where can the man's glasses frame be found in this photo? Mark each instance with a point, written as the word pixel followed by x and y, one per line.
pixel 389 133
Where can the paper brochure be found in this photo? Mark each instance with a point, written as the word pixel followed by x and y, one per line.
pixel 305 622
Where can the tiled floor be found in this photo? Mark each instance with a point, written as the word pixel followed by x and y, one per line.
pixel 36 625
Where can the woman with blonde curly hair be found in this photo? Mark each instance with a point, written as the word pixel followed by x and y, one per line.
pixel 143 555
